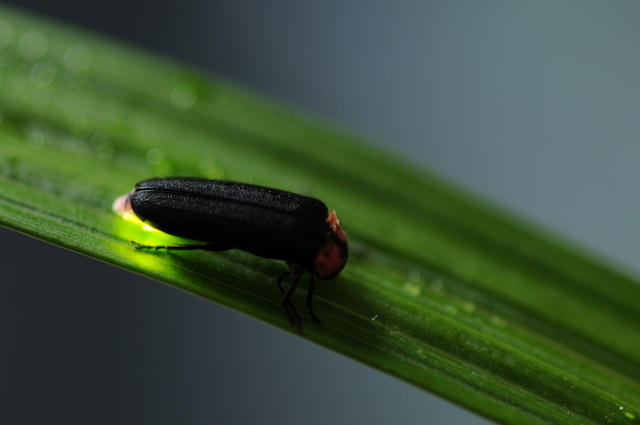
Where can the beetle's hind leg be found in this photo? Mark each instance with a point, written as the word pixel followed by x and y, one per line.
pixel 280 278
pixel 183 247
pixel 310 300
pixel 285 302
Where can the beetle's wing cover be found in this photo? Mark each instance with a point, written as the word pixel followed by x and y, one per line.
pixel 267 222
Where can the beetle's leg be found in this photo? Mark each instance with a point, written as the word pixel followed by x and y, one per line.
pixel 168 247
pixel 285 301
pixel 282 276
pixel 287 307
pixel 182 247
pixel 310 299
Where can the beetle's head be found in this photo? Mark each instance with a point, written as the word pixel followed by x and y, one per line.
pixel 332 256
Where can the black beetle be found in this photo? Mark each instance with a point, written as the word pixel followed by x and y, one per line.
pixel 267 222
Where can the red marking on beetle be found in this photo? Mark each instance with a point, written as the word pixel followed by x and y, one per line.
pixel 332 257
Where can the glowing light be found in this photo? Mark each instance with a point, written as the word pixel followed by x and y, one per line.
pixel 149 228
pixel 129 216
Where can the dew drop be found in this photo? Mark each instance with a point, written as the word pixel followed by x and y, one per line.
pixel 436 285
pixel 469 306
pixel 34 45
pixel 35 139
pixel 77 148
pixel 414 276
pixel 100 142
pixel 80 125
pixel 78 58
pixel 451 308
pixel 43 73
pixel 183 96
pixel 497 321
pixel 412 288
pixel 211 169
pixel 155 156
pixel 6 34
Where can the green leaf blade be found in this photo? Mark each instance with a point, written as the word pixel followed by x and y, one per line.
pixel 441 290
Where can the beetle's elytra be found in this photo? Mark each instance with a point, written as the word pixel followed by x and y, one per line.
pixel 267 222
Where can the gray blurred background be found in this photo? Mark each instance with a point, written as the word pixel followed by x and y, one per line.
pixel 535 106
